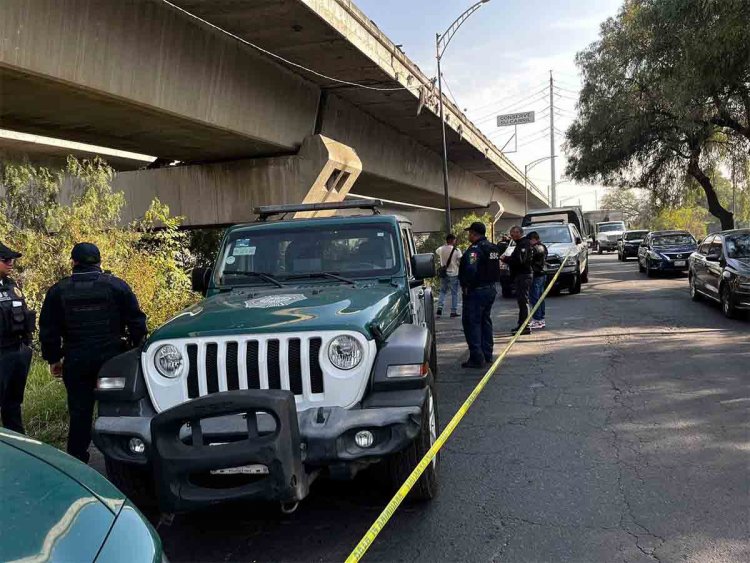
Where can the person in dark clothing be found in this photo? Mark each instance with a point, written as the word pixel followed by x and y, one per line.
pixel 538 260
pixel 477 280
pixel 521 272
pixel 16 328
pixel 87 319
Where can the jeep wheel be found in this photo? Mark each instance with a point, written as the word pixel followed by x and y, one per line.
pixel 401 465
pixel 135 481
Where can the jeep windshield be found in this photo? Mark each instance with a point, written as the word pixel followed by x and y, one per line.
pixel 678 239
pixel 635 235
pixel 553 234
pixel 738 246
pixel 258 255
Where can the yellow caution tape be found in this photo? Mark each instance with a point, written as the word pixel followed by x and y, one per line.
pixel 364 544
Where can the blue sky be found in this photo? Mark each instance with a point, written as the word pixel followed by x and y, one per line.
pixel 499 62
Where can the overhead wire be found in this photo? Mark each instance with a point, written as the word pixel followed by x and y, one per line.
pixel 504 99
pixel 513 107
pixel 279 57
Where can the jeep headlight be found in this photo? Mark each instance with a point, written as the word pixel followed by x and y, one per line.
pixel 345 352
pixel 168 360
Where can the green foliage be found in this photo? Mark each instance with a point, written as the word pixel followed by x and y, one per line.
pixel 45 412
pixel 150 254
pixel 666 94
pixel 692 218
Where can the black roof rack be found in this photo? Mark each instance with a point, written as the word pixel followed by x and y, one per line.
pixel 266 211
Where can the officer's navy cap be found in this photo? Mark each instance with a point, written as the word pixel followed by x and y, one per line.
pixel 86 253
pixel 478 228
pixel 6 253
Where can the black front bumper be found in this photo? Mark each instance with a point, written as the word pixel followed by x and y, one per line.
pixel 241 429
pixel 185 470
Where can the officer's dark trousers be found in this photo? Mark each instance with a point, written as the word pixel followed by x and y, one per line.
pixel 523 287
pixel 14 369
pixel 79 377
pixel 477 322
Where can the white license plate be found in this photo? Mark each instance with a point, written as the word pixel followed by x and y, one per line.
pixel 255 469
pixel 679 263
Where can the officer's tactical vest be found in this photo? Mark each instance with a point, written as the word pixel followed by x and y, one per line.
pixel 92 317
pixel 488 265
pixel 16 321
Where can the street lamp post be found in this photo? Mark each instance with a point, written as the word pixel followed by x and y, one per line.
pixel 441 44
pixel 526 169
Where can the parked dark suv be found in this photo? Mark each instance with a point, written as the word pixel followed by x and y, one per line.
pixel 666 251
pixel 720 271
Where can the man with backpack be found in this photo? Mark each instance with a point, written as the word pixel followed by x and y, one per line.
pixel 478 273
pixel 450 258
pixel 521 272
pixel 538 260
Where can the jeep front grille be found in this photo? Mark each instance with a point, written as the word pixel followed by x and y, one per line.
pixel 295 361
pixel 264 366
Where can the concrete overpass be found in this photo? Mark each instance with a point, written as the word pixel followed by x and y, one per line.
pixel 246 127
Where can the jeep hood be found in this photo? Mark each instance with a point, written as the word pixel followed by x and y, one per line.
pixel 311 307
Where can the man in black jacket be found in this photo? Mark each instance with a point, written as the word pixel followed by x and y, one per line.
pixel 521 272
pixel 538 262
pixel 16 327
pixel 87 319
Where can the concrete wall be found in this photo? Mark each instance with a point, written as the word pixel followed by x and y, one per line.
pixel 226 193
pixel 394 165
pixel 102 58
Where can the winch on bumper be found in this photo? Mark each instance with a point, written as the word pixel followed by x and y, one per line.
pixel 253 445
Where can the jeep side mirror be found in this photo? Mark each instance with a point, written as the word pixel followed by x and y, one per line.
pixel 199 279
pixel 423 266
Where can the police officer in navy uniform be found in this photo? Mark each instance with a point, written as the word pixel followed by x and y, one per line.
pixel 87 319
pixel 16 327
pixel 478 272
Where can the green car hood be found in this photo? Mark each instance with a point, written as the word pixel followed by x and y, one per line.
pixel 54 507
pixel 290 309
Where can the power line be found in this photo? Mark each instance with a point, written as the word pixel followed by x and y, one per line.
pixel 566 90
pixel 279 57
pixel 503 99
pixel 448 86
pixel 540 97
pixel 521 100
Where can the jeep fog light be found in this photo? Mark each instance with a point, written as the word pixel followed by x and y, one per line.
pixel 345 352
pixel 110 383
pixel 136 446
pixel 364 438
pixel 168 361
pixel 407 370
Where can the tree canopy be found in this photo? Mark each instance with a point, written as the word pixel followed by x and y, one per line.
pixel 666 95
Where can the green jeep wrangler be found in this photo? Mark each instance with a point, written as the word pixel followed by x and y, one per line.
pixel 312 353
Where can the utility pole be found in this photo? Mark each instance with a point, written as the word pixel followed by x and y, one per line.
pixel 553 189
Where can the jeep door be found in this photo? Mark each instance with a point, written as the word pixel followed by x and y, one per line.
pixel 416 287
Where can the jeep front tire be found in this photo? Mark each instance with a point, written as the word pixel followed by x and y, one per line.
pixel 400 465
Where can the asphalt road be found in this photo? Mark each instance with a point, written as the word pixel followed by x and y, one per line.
pixel 619 433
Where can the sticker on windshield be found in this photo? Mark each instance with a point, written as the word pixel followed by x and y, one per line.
pixel 231 259
pixel 243 251
pixel 274 301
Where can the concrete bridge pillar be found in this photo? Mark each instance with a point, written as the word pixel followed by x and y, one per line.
pixel 225 193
